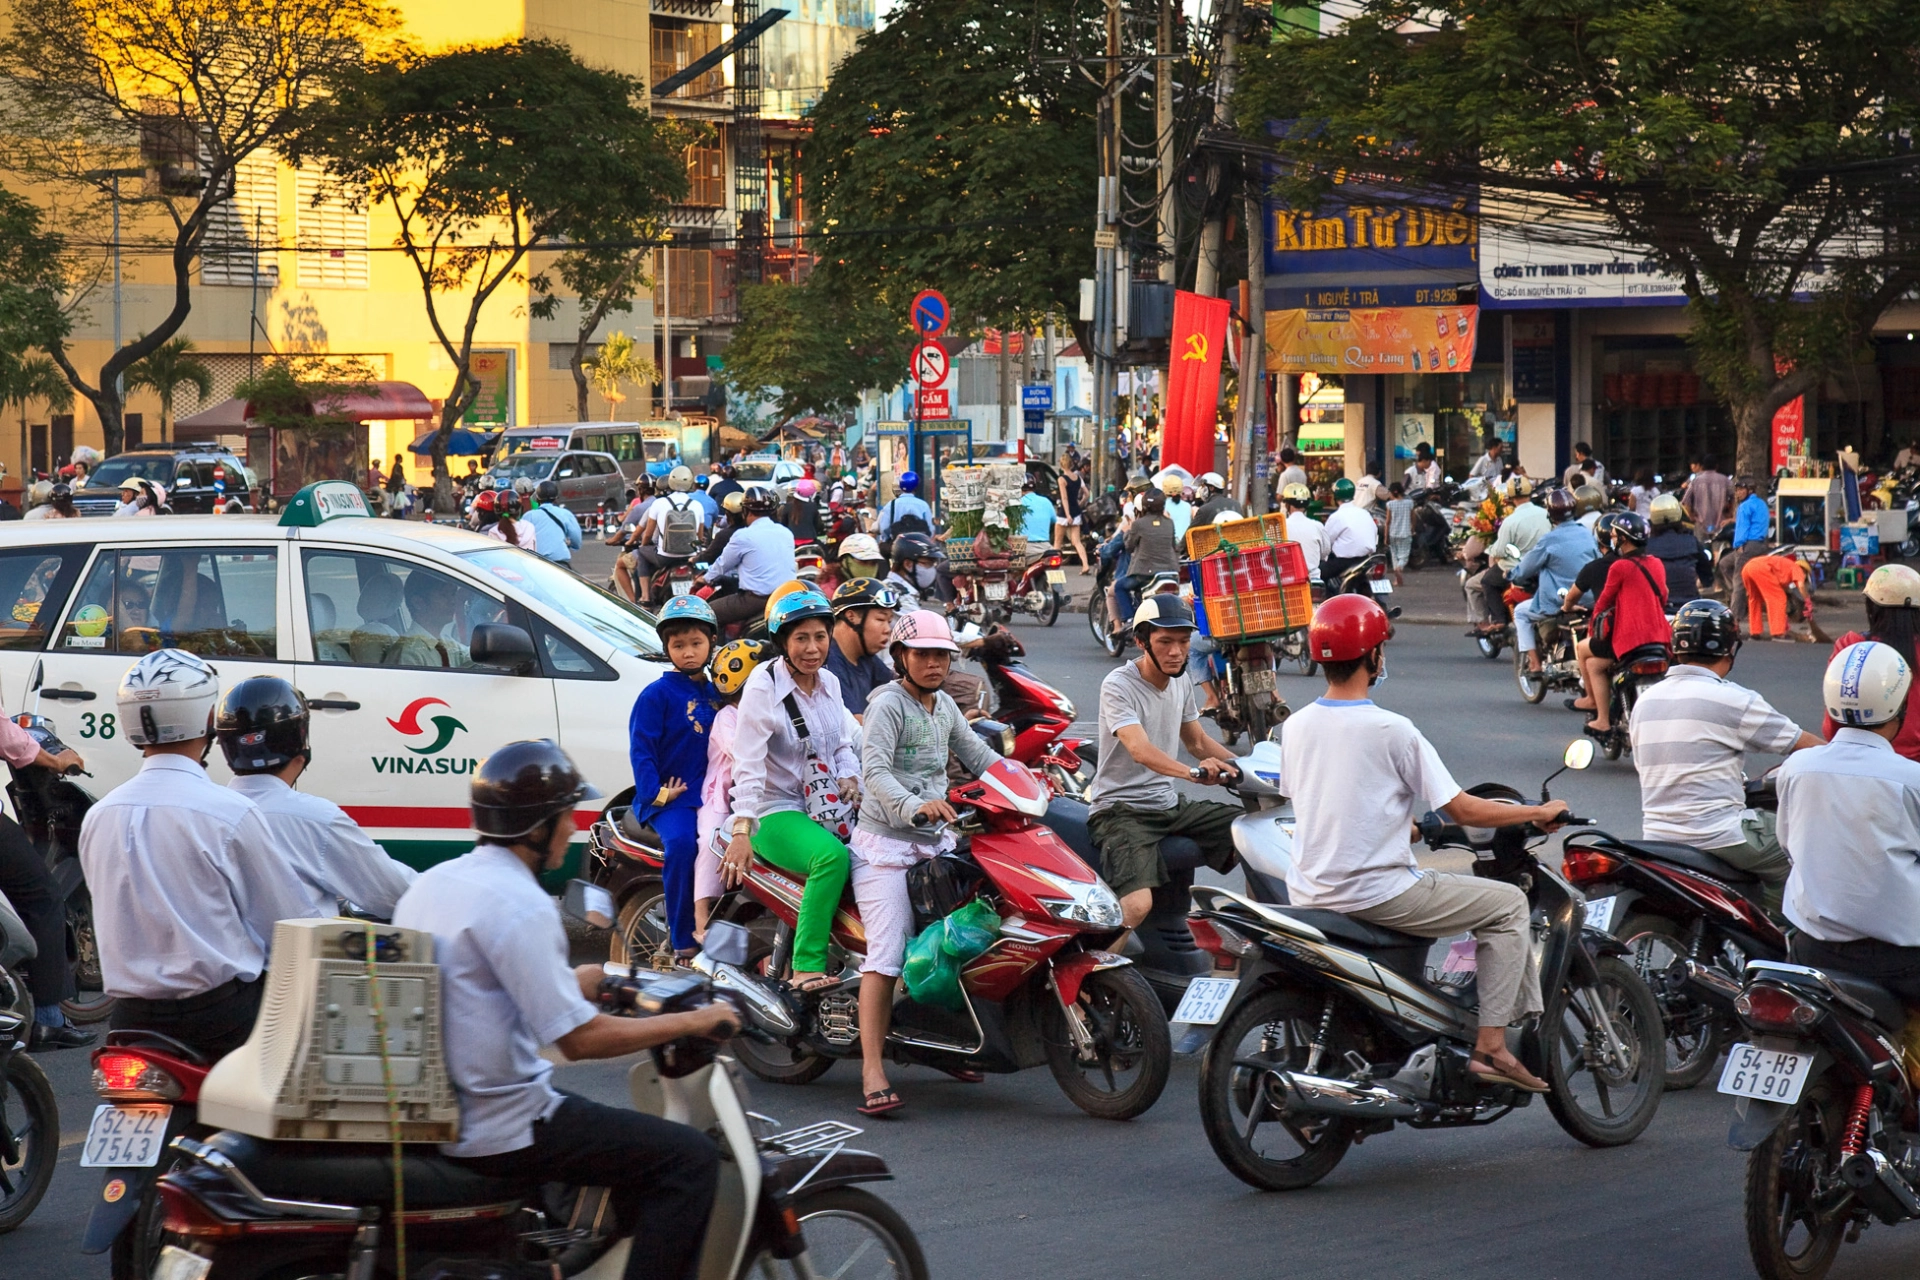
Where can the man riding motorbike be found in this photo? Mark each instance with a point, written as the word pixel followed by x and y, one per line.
pixel 863 613
pixel 1305 530
pixel 859 557
pixel 1892 597
pixel 1152 548
pixel 758 558
pixel 29 886
pixel 1525 525
pixel 916 571
pixel 669 532
pixel 1555 560
pixel 1675 546
pixel 1352 535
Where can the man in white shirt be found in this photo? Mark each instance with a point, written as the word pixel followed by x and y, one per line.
pixel 188 881
pixel 507 992
pixel 1360 777
pixel 1584 463
pixel 1291 472
pixel 1525 525
pixel 759 556
pixel 650 552
pixel 1352 535
pixel 1304 529
pixel 1490 465
pixel 1426 473
pixel 262 728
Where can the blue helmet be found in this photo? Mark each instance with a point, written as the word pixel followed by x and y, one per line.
pixel 797 606
pixel 909 481
pixel 690 608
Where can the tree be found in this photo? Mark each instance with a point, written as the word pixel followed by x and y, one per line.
pixel 1758 149
pixel 25 379
pixel 153 103
pixel 167 370
pixel 482 153
pixel 617 364
pixel 816 346
pixel 945 154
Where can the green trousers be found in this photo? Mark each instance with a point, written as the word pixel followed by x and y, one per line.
pixel 791 842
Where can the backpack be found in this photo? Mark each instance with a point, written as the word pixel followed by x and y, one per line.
pixel 912 522
pixel 680 528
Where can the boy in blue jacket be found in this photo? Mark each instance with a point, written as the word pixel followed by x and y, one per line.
pixel 667 737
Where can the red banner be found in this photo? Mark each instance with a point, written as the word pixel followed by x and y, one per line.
pixel 1789 428
pixel 1193 381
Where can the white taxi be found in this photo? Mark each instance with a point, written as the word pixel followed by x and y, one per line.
pixel 421 648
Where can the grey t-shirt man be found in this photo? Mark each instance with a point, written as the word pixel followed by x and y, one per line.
pixel 1126 698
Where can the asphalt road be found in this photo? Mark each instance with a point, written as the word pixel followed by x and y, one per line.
pixel 1008 1179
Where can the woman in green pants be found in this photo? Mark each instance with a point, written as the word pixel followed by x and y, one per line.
pixel 771 767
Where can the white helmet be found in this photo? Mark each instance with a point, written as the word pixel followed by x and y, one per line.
pixel 860 546
pixel 1213 481
pixel 167 696
pixel 1894 585
pixel 1866 684
pixel 680 480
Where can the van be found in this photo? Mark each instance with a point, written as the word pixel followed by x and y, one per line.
pixel 641 448
pixel 421 648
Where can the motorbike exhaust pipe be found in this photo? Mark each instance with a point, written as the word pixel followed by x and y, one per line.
pixel 1880 1186
pixel 1710 983
pixel 767 1008
pixel 1317 1095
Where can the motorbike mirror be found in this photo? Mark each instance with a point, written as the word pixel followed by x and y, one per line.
pixel 1273 734
pixel 727 943
pixel 1579 753
pixel 588 903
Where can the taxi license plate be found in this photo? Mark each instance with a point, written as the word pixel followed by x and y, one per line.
pixel 682 586
pixel 1205 1001
pixel 126 1136
pixel 1056 576
pixel 177 1264
pixel 996 590
pixel 1771 1075
pixel 1600 913
pixel 1381 586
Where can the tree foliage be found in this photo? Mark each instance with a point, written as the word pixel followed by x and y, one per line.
pixel 1758 149
pixel 817 347
pixel 482 153
pixel 167 370
pixel 947 154
pixel 154 103
pixel 617 365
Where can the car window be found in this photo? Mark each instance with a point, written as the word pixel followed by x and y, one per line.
pixel 114 472
pixel 569 466
pixel 603 466
pixel 597 440
pixel 216 603
pixel 371 611
pixel 624 445
pixel 527 467
pixel 566 595
pixel 566 660
pixel 33 586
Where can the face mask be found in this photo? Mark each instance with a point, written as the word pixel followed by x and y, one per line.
pixel 861 569
pixel 925 575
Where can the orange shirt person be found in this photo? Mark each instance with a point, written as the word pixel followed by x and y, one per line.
pixel 1767 579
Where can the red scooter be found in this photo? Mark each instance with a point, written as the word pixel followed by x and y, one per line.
pixel 1039 716
pixel 1044 992
pixel 150 1084
pixel 1038 588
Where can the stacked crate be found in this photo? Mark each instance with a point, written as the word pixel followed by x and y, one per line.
pixel 1248 578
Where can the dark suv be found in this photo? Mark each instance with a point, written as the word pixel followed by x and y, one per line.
pixel 195 476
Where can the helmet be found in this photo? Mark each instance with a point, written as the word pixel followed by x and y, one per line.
pixel 1213 481
pixel 732 503
pixel 909 481
pixel 1136 482
pixel 922 629
pixel 1895 585
pixel 758 501
pixel 1603 527
pixel 690 608
pixel 1666 510
pixel 1705 629
pixel 548 491
pixel 1632 526
pixel 522 486
pixel 39 493
pixel 487 505
pixel 522 785
pixel 642 485
pixel 167 696
pixel 734 662
pixel 509 501
pixel 1346 628
pixel 914 546
pixel 680 480
pixel 806 488
pixel 860 546
pixel 1866 684
pixel 1164 611
pixel 1296 492
pixel 1559 505
pixel 796 607
pixel 1343 490
pixel 864 593
pixel 1172 485
pixel 1589 497
pixel 701 482
pixel 262 725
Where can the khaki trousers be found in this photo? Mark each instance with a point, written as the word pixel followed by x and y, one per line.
pixel 1495 913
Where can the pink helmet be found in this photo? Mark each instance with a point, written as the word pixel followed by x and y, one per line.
pixel 806 488
pixel 923 629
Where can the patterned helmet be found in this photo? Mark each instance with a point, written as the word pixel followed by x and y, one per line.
pixel 860 546
pixel 864 593
pixel 167 696
pixel 1520 487
pixel 1297 492
pixel 734 662
pixel 794 608
pixel 690 608
pixel 923 629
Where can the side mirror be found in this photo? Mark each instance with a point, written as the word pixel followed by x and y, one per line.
pixel 727 943
pixel 1579 753
pixel 588 903
pixel 1274 734
pixel 502 645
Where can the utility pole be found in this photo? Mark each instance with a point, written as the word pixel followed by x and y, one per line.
pixel 1163 133
pixel 1106 241
pixel 1253 444
pixel 1206 278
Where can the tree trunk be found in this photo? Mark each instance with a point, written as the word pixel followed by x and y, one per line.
pixel 576 365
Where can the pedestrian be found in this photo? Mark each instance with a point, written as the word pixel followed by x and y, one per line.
pixel 1291 472
pixel 396 484
pixel 376 485
pixel 1399 530
pixel 1752 529
pixel 1770 581
pixel 1037 516
pixel 1426 472
pixel 1587 465
pixel 1490 465
pixel 1070 516
pixel 1640 496
pixel 667 738
pixel 1707 496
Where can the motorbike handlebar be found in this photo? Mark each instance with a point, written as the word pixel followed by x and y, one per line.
pixel 1231 773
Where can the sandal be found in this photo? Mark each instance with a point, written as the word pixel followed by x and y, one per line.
pixel 1593 730
pixel 880 1102
pixel 965 1075
pixel 1490 1072
pixel 813 986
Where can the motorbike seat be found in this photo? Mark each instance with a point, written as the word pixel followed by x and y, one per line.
pixel 361 1173
pixel 1683 855
pixel 1889 1010
pixel 637 831
pixel 1351 929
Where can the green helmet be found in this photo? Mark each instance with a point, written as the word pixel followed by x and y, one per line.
pixel 1343 490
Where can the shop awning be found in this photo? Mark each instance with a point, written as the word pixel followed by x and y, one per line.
pixel 376 402
pixel 228 415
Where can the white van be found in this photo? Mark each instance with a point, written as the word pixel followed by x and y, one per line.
pixel 420 647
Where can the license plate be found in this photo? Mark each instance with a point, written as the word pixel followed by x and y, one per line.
pixel 682 587
pixel 177 1264
pixel 995 590
pixel 1381 586
pixel 1205 1000
pixel 1771 1075
pixel 1056 576
pixel 126 1136
pixel 1259 680
pixel 1600 913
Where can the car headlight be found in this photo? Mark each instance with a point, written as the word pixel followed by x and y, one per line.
pixel 1086 901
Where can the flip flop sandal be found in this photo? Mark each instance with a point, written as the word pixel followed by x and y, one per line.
pixel 1483 1067
pixel 880 1102
pixel 965 1075
pixel 819 985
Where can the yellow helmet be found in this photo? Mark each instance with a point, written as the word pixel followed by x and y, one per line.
pixel 734 662
pixel 732 503
pixel 782 591
pixel 1172 485
pixel 1590 497
pixel 1666 510
pixel 1297 492
pixel 1521 487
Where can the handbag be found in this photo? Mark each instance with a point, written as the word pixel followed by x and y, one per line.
pixel 1601 631
pixel 820 790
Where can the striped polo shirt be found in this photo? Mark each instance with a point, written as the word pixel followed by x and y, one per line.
pixel 1690 733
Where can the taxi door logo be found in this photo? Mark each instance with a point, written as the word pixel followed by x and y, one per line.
pixel 441 733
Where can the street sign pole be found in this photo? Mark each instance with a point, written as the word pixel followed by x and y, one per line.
pixel 929 315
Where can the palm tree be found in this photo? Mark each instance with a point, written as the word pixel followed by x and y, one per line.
pixel 167 369
pixel 616 364
pixel 24 379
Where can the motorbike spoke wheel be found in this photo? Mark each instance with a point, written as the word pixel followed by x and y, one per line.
pixel 90 1002
pixel 1489 646
pixel 850 1233
pixel 1098 623
pixel 1258 1143
pixel 1533 684
pixel 29 1139
pixel 1132 1051
pixel 1049 611
pixel 1695 1037
pixel 641 930
pixel 1602 1098
pixel 1791 1235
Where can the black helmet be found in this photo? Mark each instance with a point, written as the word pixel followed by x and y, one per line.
pixel 1559 505
pixel 1706 630
pixel 758 500
pixel 914 546
pixel 59 491
pixel 1632 526
pixel 864 593
pixel 548 491
pixel 1164 611
pixel 522 785
pixel 262 725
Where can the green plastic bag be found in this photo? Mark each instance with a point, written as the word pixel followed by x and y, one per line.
pixel 939 951
pixel 970 930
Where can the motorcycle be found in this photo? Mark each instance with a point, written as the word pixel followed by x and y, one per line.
pixel 1691 921
pixel 1039 588
pixel 150 1086
pixel 29 1113
pixel 50 807
pixel 1366 577
pixel 1432 530
pixel 1244 674
pixel 1556 634
pixel 670 580
pixel 1099 610
pixel 1039 716
pixel 1335 1030
pixel 247 1208
pixel 1625 683
pixel 1489 642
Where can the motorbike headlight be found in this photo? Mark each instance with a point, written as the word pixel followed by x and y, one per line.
pixel 1084 901
pixel 1064 705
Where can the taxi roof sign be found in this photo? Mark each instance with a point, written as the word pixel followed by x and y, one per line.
pixel 322 501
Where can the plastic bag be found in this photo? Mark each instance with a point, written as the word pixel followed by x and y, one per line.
pixel 939 951
pixel 970 930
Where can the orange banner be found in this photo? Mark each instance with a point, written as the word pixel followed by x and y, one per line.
pixel 1381 340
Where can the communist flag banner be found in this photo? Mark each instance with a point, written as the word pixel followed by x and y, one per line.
pixel 1193 381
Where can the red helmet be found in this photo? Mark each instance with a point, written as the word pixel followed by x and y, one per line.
pixel 1346 628
pixel 486 500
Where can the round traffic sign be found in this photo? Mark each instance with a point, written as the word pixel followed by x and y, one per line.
pixel 930 312
pixel 930 364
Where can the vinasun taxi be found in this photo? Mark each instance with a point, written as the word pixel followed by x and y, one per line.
pixel 421 648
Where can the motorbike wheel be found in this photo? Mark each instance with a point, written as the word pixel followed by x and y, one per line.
pixel 850 1233
pixel 1258 1144
pixel 1600 1103
pixel 641 928
pixel 1789 1234
pixel 1489 646
pixel 1533 684
pixel 1616 743
pixel 32 1118
pixel 1656 942
pixel 1296 653
pixel 1098 624
pixel 1049 613
pixel 1910 549
pixel 89 1003
pixel 1133 1050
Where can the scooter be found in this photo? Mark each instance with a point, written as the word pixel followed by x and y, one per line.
pixel 253 1208
pixel 50 808
pixel 1039 589
pixel 1489 641
pixel 1039 715
pixel 150 1087
pixel 1629 678
pixel 1556 634
pixel 29 1113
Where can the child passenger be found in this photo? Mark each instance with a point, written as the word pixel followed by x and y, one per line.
pixel 732 664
